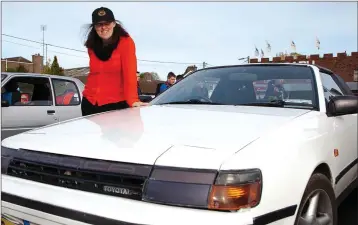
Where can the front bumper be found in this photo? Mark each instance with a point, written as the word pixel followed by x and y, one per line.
pixel 51 205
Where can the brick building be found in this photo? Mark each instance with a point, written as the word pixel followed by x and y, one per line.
pixel 342 64
pixel 148 82
pixel 34 66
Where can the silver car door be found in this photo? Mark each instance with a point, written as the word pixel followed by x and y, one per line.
pixel 67 98
pixel 34 108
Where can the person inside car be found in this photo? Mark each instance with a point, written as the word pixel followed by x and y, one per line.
pixel 111 82
pixel 275 90
pixel 11 93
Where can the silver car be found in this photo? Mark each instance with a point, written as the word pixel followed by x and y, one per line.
pixel 30 100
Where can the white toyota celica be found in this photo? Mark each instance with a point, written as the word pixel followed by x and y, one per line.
pixel 209 150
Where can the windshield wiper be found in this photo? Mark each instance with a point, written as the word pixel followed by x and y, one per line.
pixel 277 103
pixel 190 101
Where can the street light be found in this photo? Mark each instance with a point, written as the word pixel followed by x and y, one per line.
pixel 245 58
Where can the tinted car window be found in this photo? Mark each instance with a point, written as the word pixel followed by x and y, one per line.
pixel 66 92
pixel 240 85
pixel 343 85
pixel 330 87
pixel 28 91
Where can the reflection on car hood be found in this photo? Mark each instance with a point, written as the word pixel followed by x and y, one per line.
pixel 141 135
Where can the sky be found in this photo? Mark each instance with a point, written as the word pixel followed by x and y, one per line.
pixel 218 33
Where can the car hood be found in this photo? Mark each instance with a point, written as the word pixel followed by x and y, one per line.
pixel 171 135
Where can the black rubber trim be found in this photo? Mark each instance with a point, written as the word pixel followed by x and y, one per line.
pixel 345 170
pixel 351 187
pixel 61 212
pixel 78 163
pixel 275 215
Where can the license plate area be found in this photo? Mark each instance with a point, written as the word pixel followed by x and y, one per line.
pixel 12 220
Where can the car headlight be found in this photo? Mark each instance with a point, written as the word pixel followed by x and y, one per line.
pixel 226 190
pixel 234 190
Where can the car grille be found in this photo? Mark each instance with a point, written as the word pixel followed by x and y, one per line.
pixel 108 183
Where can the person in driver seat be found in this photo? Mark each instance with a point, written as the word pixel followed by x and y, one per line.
pixel 12 94
pixel 275 90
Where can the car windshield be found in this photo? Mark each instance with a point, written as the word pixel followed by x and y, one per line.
pixel 257 85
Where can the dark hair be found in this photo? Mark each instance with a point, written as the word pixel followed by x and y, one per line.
pixel 170 74
pixel 93 38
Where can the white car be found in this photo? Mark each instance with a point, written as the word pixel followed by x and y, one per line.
pixel 231 158
pixel 31 100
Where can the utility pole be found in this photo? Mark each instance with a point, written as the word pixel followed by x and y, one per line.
pixel 204 65
pixel 46 54
pixel 43 28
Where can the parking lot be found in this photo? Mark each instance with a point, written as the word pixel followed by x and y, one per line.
pixel 348 211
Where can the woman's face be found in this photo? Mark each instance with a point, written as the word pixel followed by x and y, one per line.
pixel 105 29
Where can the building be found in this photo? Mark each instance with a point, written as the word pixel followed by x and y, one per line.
pixel 79 73
pixel 148 81
pixel 342 64
pixel 34 66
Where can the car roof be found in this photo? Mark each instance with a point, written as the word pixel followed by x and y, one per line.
pixel 41 75
pixel 269 64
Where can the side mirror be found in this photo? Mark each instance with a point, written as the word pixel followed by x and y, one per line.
pixel 4 103
pixel 342 105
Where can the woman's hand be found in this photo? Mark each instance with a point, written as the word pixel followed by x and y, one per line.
pixel 138 104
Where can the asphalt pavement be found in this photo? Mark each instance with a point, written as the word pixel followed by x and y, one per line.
pixel 348 210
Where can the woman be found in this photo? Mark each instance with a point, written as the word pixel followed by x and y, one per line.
pixel 112 80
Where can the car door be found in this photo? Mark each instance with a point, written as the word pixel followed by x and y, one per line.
pixel 343 133
pixel 67 98
pixel 33 108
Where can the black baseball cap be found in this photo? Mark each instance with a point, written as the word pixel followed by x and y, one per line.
pixel 102 14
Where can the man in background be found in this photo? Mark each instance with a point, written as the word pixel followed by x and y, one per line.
pixel 171 78
pixel 179 78
pixel 138 86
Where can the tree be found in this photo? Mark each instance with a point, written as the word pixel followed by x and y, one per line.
pixel 282 54
pixel 47 67
pixel 55 67
pixel 155 76
pixel 11 70
pixel 52 67
pixel 295 54
pixel 19 69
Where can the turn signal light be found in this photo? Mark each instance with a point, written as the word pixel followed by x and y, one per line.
pixel 236 191
pixel 224 190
